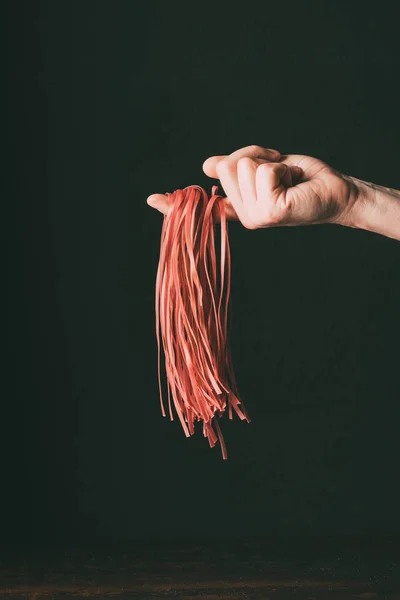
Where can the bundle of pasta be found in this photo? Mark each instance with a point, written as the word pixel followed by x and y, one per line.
pixel 192 300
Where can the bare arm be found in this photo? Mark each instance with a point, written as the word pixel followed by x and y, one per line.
pixel 376 209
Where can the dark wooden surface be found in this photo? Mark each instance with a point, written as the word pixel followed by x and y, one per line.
pixel 311 569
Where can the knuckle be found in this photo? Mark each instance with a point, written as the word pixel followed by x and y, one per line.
pixel 223 166
pixel 266 167
pixel 245 161
pixel 250 225
pixel 248 221
pixel 254 148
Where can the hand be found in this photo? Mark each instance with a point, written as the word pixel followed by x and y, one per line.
pixel 266 189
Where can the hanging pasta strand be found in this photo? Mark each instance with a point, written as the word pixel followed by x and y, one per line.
pixel 192 302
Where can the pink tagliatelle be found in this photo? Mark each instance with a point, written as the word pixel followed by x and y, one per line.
pixel 192 299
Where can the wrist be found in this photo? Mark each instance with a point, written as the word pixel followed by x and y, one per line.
pixel 374 208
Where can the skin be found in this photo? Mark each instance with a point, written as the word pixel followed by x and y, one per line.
pixel 265 188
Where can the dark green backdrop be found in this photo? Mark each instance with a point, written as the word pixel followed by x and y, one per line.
pixel 109 102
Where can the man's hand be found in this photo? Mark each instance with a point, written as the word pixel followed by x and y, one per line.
pixel 267 189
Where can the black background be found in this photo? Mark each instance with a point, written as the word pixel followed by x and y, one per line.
pixel 109 102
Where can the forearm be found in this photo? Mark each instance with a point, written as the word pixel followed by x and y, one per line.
pixel 375 208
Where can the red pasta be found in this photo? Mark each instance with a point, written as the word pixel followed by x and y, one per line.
pixel 192 300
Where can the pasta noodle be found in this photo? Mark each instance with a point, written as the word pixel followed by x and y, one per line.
pixel 192 300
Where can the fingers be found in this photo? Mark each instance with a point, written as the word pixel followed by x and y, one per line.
pixel 254 186
pixel 246 173
pixel 210 165
pixel 271 177
pixel 226 169
pixel 238 172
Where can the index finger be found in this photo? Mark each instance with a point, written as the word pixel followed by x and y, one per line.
pixel 210 165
